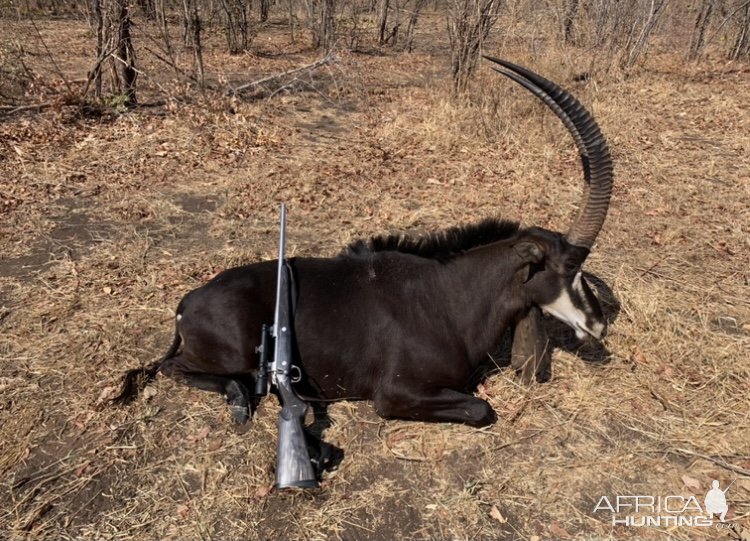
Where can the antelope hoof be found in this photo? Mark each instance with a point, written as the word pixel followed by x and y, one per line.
pixel 240 414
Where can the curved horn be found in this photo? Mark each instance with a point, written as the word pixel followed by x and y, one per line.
pixel 562 115
pixel 595 157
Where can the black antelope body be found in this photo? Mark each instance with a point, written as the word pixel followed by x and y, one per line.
pixel 403 322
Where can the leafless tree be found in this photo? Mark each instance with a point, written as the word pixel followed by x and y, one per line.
pixel 290 7
pixel 192 36
pixel 741 43
pixel 382 24
pixel 148 7
pixel 469 23
pixel 236 25
pixel 390 19
pixel 264 6
pixel 114 46
pixel 618 30
pixel 413 17
pixel 163 25
pixel 698 39
pixel 322 22
pixel 350 24
pixel 651 14
pixel 96 73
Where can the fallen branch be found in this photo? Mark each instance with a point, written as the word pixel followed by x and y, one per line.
pixel 15 108
pixel 329 58
pixel 718 461
pixel 10 110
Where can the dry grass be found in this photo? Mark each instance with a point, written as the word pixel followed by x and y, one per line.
pixel 107 222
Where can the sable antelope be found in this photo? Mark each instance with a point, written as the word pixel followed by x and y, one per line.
pixel 402 321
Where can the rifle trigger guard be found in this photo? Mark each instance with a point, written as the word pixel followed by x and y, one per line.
pixel 298 376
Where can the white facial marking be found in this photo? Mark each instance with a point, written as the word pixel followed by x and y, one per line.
pixel 563 309
pixel 597 329
pixel 577 287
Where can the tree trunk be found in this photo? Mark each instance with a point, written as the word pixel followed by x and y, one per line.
pixel 99 48
pixel 419 4
pixel 236 25
pixel 697 43
pixel 741 46
pixel 320 18
pixel 192 28
pixel 312 22
pixel 632 53
pixel 328 24
pixel 125 53
pixel 382 20
pixel 291 19
pixel 161 21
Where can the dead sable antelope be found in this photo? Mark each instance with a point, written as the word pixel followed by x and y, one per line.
pixel 404 322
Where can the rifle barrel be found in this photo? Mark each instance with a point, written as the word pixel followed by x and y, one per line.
pixel 280 268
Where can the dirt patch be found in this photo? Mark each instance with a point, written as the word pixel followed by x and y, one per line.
pixel 196 204
pixel 62 472
pixel 72 236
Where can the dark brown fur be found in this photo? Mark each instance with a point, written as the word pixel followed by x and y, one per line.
pixel 399 328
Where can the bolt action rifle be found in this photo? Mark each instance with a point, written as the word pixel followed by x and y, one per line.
pixel 293 465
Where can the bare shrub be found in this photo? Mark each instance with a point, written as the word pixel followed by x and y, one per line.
pixel 469 23
pixel 350 23
pixel 15 76
pixel 263 7
pixel 391 15
pixel 382 24
pixel 741 43
pixel 236 25
pixel 114 48
pixel 649 14
pixel 148 8
pixel 322 22
pixel 414 11
pixel 617 31
pixel 192 37
pixel 698 39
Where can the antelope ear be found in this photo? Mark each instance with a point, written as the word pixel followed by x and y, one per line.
pixel 529 251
